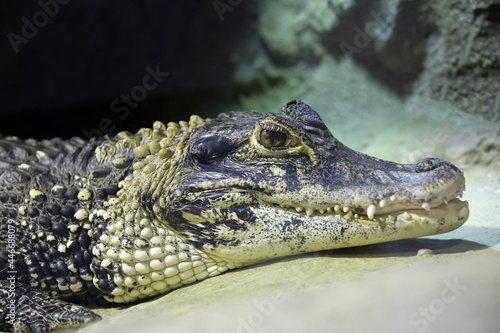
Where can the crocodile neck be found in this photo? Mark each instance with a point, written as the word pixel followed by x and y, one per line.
pixel 135 253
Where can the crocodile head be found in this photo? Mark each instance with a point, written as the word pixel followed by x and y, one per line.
pixel 280 184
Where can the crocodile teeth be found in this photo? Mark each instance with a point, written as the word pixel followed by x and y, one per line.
pixel 336 208
pixel 382 203
pixel 345 209
pixel 446 202
pixel 299 209
pixel 426 206
pixel 406 216
pixel 322 210
pixel 462 212
pixel 309 211
pixel 393 198
pixel 371 211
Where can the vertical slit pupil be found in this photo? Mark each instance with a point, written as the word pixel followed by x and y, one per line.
pixel 273 139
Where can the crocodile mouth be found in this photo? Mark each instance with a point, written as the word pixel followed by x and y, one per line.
pixel 435 200
pixel 395 209
pixel 436 213
pixel 387 211
pixel 397 206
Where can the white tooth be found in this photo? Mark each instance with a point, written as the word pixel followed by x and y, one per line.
pixel 298 209
pixel 309 211
pixel 337 208
pixel 462 212
pixel 371 211
pixel 322 210
pixel 393 198
pixel 348 215
pixel 329 209
pixel 382 203
pixel 356 216
pixel 406 216
pixel 446 202
pixel 426 206
pixel 391 218
pixel 345 209
pixel 423 220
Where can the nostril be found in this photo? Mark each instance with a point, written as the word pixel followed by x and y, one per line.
pixel 428 164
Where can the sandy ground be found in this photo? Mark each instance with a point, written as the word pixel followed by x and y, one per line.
pixel 444 294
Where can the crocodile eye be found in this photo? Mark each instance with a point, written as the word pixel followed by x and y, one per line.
pixel 273 139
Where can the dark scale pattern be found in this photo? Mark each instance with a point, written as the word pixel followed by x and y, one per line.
pixel 71 194
pixel 42 244
pixel 58 192
pixel 38 308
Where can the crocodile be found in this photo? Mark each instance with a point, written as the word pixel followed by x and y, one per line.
pixel 122 219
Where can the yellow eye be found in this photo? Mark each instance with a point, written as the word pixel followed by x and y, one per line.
pixel 273 139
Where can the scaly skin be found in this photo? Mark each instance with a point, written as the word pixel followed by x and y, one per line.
pixel 128 218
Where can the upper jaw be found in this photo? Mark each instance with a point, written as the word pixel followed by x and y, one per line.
pixel 370 202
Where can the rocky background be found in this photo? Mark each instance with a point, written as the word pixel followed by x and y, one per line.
pixel 73 59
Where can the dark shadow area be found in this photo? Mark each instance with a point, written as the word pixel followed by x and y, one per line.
pixel 65 68
pixel 84 121
pixel 491 13
pixel 400 248
pixel 97 120
pixel 409 248
pixel 392 54
pixel 487 235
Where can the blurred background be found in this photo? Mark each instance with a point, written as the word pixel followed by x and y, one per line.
pixel 67 65
pixel 62 63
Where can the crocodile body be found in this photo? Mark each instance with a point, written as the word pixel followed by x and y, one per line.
pixel 126 218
